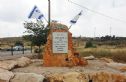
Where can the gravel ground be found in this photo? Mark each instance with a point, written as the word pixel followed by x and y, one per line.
pixel 93 66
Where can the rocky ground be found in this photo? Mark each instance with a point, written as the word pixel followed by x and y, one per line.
pixel 31 70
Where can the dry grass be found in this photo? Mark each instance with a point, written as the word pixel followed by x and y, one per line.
pixel 117 54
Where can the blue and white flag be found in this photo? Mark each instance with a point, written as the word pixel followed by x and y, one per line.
pixel 74 20
pixel 35 13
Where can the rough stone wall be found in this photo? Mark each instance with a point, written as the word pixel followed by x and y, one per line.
pixel 69 59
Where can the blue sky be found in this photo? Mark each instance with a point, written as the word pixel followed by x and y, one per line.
pixel 14 12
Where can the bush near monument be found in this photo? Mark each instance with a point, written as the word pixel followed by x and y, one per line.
pixel 37 34
pixel 89 44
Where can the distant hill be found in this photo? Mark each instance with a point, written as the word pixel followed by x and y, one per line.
pixel 10 40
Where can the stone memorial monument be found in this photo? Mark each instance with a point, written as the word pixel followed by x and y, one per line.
pixel 59 49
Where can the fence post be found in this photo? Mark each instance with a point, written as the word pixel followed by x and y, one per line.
pixel 12 51
pixel 23 49
pixel 31 48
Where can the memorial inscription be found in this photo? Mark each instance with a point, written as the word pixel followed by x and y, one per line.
pixel 60 42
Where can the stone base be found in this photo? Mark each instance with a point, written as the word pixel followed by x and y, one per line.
pixel 59 59
pixel 64 61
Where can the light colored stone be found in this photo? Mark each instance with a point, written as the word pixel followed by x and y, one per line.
pixel 27 77
pixel 75 77
pixel 8 65
pixel 87 77
pixel 118 66
pixel 68 77
pixel 89 57
pixel 108 77
pixel 101 77
pixel 23 61
pixel 5 75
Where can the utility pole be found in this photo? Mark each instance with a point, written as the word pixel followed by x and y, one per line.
pixel 49 13
pixel 94 32
pixel 113 3
pixel 110 30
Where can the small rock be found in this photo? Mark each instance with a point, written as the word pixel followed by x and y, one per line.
pixel 90 57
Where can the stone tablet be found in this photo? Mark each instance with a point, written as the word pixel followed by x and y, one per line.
pixel 60 42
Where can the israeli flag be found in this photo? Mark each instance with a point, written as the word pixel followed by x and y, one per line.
pixel 74 20
pixel 35 13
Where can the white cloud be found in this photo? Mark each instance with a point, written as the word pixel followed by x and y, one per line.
pixel 8 29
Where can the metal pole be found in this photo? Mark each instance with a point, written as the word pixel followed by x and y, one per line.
pixel 23 50
pixel 31 47
pixel 70 26
pixel 94 31
pixel 49 13
pixel 12 50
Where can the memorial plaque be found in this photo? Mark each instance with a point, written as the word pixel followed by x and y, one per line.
pixel 60 42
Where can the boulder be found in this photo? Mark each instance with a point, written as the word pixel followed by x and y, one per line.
pixel 108 77
pixel 5 75
pixel 27 77
pixel 75 77
pixel 68 77
pixel 101 77
pixel 87 77
pixel 8 64
pixel 23 61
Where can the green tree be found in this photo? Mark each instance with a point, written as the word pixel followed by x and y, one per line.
pixel 37 33
pixel 18 43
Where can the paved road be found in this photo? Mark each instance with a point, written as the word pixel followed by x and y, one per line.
pixel 6 53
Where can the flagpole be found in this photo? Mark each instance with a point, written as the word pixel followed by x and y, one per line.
pixel 70 26
pixel 46 20
pixel 74 20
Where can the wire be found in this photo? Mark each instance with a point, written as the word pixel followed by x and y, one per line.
pixel 97 12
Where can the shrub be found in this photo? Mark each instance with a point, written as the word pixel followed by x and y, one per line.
pixel 89 44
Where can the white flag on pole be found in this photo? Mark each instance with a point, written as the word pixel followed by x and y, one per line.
pixel 35 13
pixel 74 20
